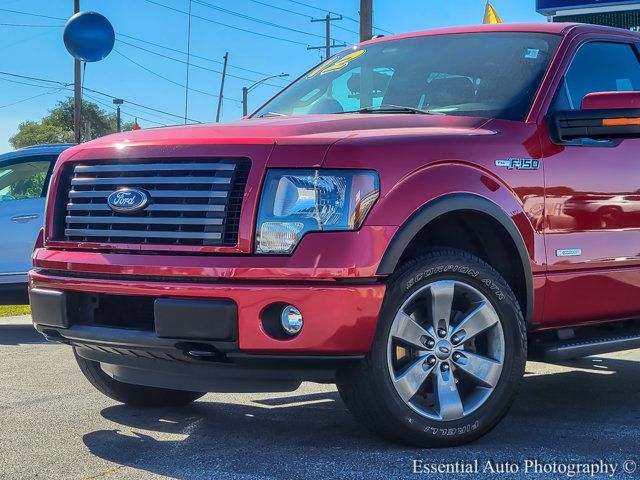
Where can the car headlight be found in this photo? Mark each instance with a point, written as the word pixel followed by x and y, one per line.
pixel 295 202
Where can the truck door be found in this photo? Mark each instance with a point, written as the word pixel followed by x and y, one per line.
pixel 592 205
pixel 22 198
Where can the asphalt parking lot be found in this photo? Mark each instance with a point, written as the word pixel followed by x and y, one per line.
pixel 53 425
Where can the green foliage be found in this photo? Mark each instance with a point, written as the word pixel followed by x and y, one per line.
pixel 33 133
pixel 30 187
pixel 57 126
pixel 14 310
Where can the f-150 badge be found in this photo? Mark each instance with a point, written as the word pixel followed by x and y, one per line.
pixel 519 164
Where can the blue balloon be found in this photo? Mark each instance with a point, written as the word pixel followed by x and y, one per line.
pixel 89 36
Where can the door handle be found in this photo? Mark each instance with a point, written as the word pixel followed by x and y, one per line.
pixel 25 218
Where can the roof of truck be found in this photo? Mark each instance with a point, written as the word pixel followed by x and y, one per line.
pixel 542 27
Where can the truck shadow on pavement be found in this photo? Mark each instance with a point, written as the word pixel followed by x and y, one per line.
pixel 19 334
pixel 584 413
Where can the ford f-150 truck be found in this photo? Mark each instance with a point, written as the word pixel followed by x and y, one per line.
pixel 411 219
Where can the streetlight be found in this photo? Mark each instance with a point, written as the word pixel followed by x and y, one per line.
pixel 117 102
pixel 246 90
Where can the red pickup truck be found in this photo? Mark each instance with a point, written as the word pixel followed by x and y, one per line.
pixel 412 220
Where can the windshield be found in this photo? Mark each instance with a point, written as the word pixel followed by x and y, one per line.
pixel 490 75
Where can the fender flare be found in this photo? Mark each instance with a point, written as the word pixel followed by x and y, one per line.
pixel 451 203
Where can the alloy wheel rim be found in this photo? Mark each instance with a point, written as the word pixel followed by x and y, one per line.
pixel 445 350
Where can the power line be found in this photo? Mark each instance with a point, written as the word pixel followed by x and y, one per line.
pixel 322 10
pixel 66 85
pixel 149 43
pixel 192 64
pixel 26 83
pixel 57 90
pixel 29 25
pixel 32 14
pixel 347 17
pixel 145 112
pixel 282 9
pixel 254 19
pixel 167 78
pixel 106 105
pixel 31 98
pixel 184 53
pixel 293 12
pixel 226 25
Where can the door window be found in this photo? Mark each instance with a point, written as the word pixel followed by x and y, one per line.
pixel 599 67
pixel 23 180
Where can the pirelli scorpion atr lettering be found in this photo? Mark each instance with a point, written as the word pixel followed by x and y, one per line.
pixel 411 220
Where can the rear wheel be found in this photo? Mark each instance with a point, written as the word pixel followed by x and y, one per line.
pixel 134 395
pixel 448 356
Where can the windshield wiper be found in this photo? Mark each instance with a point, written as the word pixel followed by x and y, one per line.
pixel 386 108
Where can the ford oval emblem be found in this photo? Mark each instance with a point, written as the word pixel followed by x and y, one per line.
pixel 128 200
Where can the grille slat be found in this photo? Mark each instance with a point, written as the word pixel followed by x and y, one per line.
pixel 159 207
pixel 143 220
pixel 127 181
pixel 86 232
pixel 193 202
pixel 155 194
pixel 154 167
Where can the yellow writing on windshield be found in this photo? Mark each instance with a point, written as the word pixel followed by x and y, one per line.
pixel 336 63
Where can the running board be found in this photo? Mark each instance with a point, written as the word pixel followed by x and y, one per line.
pixel 580 345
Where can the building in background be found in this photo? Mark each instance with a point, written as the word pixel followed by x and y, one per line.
pixel 612 13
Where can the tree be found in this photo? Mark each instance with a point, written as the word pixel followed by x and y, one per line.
pixel 57 126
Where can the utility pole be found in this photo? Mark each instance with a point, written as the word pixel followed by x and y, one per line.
pixel 224 74
pixel 77 92
pixel 186 87
pixel 117 102
pixel 366 20
pixel 329 44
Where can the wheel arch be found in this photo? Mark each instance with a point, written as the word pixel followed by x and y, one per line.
pixel 459 203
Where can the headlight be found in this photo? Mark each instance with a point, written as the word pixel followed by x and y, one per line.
pixel 295 202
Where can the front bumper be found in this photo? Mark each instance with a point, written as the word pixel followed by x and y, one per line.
pixel 339 319
pixel 339 325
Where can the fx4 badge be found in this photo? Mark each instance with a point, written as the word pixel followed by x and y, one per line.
pixel 519 164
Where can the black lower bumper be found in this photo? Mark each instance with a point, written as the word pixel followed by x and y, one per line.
pixel 181 347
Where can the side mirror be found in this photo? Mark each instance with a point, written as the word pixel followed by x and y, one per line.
pixel 603 116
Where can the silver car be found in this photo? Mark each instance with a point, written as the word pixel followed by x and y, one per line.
pixel 24 179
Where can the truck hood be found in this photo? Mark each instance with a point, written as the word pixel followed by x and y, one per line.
pixel 311 129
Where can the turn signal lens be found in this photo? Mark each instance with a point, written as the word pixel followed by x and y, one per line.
pixel 620 122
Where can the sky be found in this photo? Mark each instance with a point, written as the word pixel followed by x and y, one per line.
pixel 148 63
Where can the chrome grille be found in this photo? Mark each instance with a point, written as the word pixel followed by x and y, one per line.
pixel 192 201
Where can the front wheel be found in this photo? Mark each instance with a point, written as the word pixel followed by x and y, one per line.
pixel 448 356
pixel 129 394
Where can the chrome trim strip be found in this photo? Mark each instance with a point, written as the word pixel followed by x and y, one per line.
pixel 154 167
pixel 143 221
pixel 156 207
pixel 72 232
pixel 155 194
pixel 137 181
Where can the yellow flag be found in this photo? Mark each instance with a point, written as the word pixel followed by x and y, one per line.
pixel 490 15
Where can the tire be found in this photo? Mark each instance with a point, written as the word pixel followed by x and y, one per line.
pixel 403 390
pixel 133 395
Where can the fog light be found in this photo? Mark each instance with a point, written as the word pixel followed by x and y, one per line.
pixel 291 320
